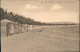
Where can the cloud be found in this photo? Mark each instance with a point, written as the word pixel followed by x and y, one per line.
pixel 56 7
pixel 29 6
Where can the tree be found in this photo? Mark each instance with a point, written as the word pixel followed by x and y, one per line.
pixel 3 13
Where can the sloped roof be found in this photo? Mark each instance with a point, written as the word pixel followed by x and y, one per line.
pixel 4 22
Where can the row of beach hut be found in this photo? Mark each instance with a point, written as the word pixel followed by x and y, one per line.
pixel 11 28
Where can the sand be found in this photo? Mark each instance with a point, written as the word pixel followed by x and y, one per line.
pixel 52 39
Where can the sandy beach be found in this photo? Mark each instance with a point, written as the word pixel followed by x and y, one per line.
pixel 51 39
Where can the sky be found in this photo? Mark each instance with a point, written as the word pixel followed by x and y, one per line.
pixel 45 11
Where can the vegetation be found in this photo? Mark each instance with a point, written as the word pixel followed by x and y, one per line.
pixel 16 18
pixel 21 19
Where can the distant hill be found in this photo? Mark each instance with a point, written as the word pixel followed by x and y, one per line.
pixel 63 23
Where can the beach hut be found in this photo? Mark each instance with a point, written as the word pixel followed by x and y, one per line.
pixel 7 27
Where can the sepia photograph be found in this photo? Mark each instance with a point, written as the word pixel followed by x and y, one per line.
pixel 39 25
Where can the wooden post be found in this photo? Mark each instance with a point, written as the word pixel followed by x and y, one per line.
pixel 7 29
pixel 27 28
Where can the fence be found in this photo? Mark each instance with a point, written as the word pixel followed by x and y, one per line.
pixel 15 28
